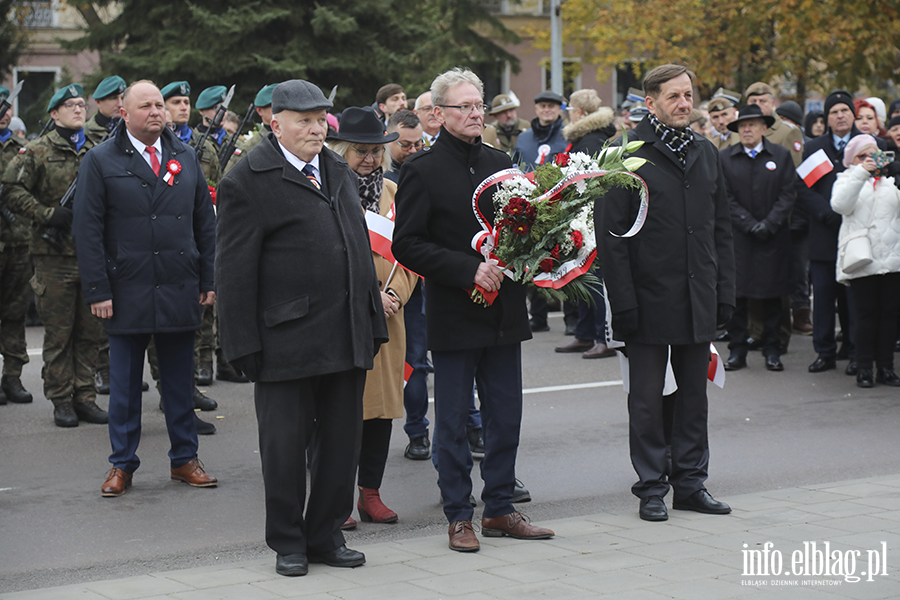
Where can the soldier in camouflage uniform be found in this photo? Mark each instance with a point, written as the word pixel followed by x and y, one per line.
pixel 34 182
pixel 15 271
pixel 108 97
pixel 263 105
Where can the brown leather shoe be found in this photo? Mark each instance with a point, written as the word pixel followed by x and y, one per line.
pixel 192 473
pixel 576 345
pixel 462 537
pixel 599 351
pixel 515 526
pixel 116 482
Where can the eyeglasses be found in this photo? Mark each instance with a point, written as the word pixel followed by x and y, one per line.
pixel 73 105
pixel 467 109
pixel 426 108
pixel 362 153
pixel 407 145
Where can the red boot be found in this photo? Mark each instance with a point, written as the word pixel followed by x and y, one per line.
pixel 350 523
pixel 372 509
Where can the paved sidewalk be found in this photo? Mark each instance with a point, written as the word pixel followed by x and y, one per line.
pixel 604 555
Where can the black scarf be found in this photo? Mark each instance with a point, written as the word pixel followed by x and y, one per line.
pixel 370 187
pixel 677 140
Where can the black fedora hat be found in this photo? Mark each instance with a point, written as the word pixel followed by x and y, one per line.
pixel 362 126
pixel 750 111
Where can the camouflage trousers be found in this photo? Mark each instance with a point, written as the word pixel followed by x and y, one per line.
pixel 15 271
pixel 72 335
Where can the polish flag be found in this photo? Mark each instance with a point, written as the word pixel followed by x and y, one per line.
pixel 716 371
pixel 407 373
pixel 381 234
pixel 812 169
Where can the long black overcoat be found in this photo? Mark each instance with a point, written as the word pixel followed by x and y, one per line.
pixel 680 266
pixel 144 244
pixel 295 277
pixel 761 189
pixel 432 236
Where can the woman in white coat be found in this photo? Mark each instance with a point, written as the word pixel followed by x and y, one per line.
pixel 869 201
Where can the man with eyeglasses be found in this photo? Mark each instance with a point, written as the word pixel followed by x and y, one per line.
pixel 468 341
pixel 408 125
pixel 35 181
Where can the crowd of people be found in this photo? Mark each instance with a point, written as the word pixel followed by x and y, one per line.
pixel 755 209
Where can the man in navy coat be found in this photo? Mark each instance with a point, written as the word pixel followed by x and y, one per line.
pixel 145 233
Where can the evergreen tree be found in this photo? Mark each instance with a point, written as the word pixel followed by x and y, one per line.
pixel 12 35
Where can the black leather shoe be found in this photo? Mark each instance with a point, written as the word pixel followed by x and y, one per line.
pixel 204 402
pixel 735 362
pixel 852 368
pixel 570 329
pixel 101 381
pixel 14 390
pixel 538 327
pixel 520 494
pixel 773 363
pixel 205 377
pixel 822 364
pixel 292 565
pixel 64 415
pixel 887 377
pixel 865 378
pixel 226 372
pixel 419 448
pixel 701 502
pixel 339 557
pixel 653 509
pixel 203 428
pixel 145 387
pixel 89 412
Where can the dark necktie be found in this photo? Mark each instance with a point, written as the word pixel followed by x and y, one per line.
pixel 840 145
pixel 753 154
pixel 310 174
pixel 154 162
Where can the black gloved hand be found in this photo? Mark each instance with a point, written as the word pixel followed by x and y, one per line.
pixel 250 365
pixel 723 315
pixel 61 218
pixel 625 322
pixel 760 231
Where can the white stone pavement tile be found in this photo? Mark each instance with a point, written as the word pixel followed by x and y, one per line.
pixel 643 594
pixel 428 546
pixel 709 524
pixel 363 576
pixel 861 490
pixel 802 495
pixel 581 544
pixel 510 550
pixel 457 562
pixel 761 518
pixel 858 523
pixel 68 592
pixel 663 532
pixel 844 508
pixel 130 588
pixel 579 527
pixel 535 572
pixel 881 589
pixel 681 550
pixel 456 584
pixel 893 515
pixel 219 575
pixel 555 590
pixel 241 591
pixel 311 597
pixel 622 580
pixel 886 502
pixel 734 542
pixel 869 540
pixel 799 533
pixel 607 561
pixel 318 581
pixel 685 570
pixel 752 502
pixel 392 591
pixel 709 589
pixel 627 520
pixel 387 553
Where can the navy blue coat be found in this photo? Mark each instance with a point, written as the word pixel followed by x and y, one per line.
pixel 147 246
pixel 529 143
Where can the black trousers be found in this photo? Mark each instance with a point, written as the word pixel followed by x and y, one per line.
pixel 827 291
pixel 738 325
pixel 647 425
pixel 876 304
pixel 373 453
pixel 323 413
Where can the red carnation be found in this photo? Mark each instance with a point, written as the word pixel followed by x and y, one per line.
pixel 546 265
pixel 530 213
pixel 562 159
pixel 578 239
pixel 516 206
pixel 555 252
pixel 520 229
pixel 212 193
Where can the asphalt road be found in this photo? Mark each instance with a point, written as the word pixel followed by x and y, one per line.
pixel 767 430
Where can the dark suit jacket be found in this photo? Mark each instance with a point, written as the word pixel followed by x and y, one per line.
pixel 294 269
pixel 432 236
pixel 147 246
pixel 680 266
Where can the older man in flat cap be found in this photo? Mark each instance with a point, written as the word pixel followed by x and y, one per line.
pixel 300 313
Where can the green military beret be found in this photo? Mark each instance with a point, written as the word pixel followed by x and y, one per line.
pixel 264 97
pixel 73 90
pixel 4 93
pixel 211 96
pixel 111 86
pixel 176 88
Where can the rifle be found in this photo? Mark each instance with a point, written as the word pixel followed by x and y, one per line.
pixel 216 123
pixel 49 126
pixel 51 234
pixel 5 213
pixel 228 149
pixel 6 104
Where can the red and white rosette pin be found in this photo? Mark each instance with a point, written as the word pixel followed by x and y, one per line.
pixel 173 167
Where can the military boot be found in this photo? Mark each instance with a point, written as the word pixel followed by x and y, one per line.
pixel 101 380
pixel 63 413
pixel 89 412
pixel 14 390
pixel 205 373
pixel 204 402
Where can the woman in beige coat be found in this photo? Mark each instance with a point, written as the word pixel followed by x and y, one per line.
pixel 362 143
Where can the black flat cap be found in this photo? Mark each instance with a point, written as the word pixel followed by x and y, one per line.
pixel 549 96
pixel 791 111
pixel 299 96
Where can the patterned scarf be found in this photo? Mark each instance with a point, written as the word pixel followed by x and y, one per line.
pixel 370 187
pixel 677 140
